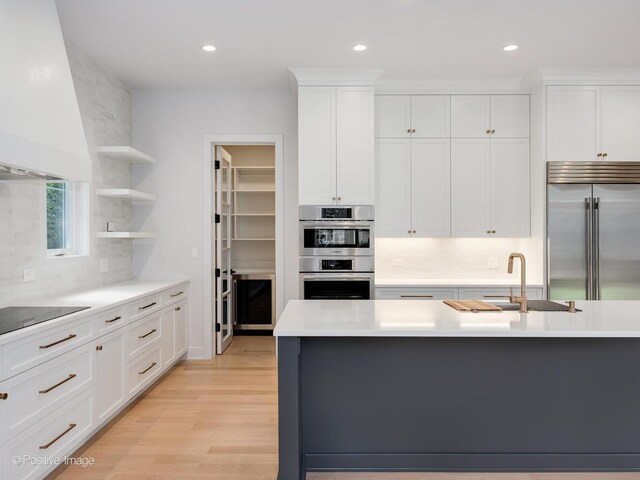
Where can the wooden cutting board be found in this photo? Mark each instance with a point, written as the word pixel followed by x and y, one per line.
pixel 472 306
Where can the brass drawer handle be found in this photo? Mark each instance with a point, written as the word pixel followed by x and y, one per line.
pixel 147 334
pixel 4 396
pixel 70 377
pixel 99 348
pixel 73 335
pixel 71 427
pixel 177 309
pixel 147 306
pixel 176 294
pixel 113 320
pixel 416 296
pixel 147 369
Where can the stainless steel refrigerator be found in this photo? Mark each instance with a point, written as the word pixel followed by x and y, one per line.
pixel 593 230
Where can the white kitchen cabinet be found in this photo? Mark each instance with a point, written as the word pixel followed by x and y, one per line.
pixel 490 293
pixel 430 187
pixel 430 116
pixel 181 328
pixel 510 196
pixel 620 121
pixel 471 187
pixel 417 116
pixel 317 145
pixel 479 116
pixel 416 293
pixel 470 116
pixel 110 362
pixel 412 187
pixel 335 145
pixel 168 336
pixel 355 158
pixel 510 116
pixel 573 123
pixel 490 187
pixel 393 116
pixel 393 192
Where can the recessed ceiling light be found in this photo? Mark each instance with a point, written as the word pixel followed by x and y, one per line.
pixel 360 47
pixel 510 48
pixel 208 48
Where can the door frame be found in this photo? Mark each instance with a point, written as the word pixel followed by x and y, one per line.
pixel 209 143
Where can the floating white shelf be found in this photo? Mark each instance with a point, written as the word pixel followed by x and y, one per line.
pixel 138 198
pixel 133 235
pixel 126 154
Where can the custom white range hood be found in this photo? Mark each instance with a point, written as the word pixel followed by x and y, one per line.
pixel 41 132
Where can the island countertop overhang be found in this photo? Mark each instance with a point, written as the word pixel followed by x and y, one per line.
pixel 432 318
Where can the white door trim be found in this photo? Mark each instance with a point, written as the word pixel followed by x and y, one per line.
pixel 209 141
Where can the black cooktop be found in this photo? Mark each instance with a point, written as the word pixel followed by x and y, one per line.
pixel 15 318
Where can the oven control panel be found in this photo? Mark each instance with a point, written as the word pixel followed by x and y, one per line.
pixel 336 264
pixel 336 213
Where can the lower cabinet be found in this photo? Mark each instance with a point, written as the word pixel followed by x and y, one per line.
pixel 110 361
pixel 453 293
pixel 174 332
pixel 143 370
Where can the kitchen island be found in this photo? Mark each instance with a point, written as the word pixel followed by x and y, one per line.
pixel 394 385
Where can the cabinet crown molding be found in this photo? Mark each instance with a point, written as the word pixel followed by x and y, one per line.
pixel 305 76
pixel 584 76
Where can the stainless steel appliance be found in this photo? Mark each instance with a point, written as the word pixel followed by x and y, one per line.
pixel 15 318
pixel 336 252
pixel 336 230
pixel 337 278
pixel 255 301
pixel 593 230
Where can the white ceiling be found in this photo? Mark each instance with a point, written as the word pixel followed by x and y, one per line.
pixel 156 43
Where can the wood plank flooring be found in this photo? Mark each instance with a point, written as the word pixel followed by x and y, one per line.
pixel 217 420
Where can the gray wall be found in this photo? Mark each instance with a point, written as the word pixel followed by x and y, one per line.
pixel 105 106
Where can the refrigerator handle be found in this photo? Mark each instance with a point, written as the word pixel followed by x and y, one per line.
pixel 596 248
pixel 589 242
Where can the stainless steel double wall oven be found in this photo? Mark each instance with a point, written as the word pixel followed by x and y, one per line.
pixel 336 252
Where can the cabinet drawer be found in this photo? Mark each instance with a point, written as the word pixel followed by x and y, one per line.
pixel 55 436
pixel 142 371
pixel 142 334
pixel 484 293
pixel 144 307
pixel 35 393
pixel 416 293
pixel 108 321
pixel 36 349
pixel 175 295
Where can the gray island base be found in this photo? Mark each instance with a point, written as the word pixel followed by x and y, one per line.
pixel 458 403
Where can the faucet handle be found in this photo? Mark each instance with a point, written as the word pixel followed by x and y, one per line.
pixel 572 306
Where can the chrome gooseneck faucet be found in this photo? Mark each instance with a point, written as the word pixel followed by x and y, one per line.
pixel 522 299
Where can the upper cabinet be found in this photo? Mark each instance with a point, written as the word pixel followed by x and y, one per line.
pixel 416 116
pixel 587 123
pixel 335 145
pixel 481 116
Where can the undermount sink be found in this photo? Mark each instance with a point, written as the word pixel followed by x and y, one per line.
pixel 534 306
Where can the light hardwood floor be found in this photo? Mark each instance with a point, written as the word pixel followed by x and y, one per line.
pixel 218 420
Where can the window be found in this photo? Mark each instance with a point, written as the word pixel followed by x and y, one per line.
pixel 66 219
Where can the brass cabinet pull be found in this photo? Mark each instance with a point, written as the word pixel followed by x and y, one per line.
pixel 70 377
pixel 147 369
pixel 4 396
pixel 416 296
pixel 493 231
pixel 99 348
pixel 113 320
pixel 147 334
pixel 339 198
pixel 489 131
pixel 493 131
pixel 413 130
pixel 71 427
pixel 605 154
pixel 147 306
pixel 599 154
pixel 408 231
pixel 176 294
pixel 408 130
pixel 177 309
pixel 488 231
pixel 73 335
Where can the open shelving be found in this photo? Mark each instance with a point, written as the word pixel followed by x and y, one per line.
pixel 126 153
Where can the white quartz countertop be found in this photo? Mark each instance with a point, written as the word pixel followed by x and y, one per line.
pixel 432 318
pixel 450 282
pixel 98 299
